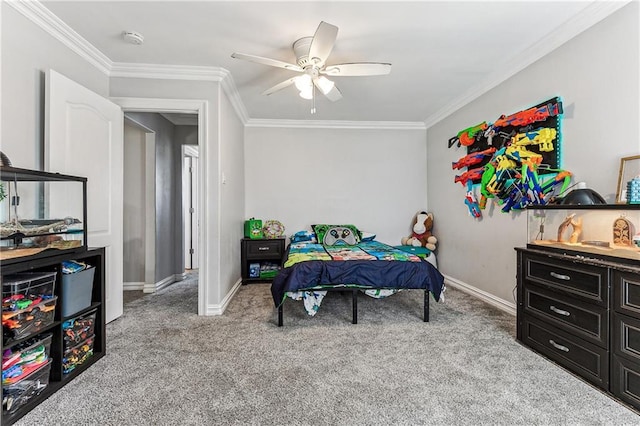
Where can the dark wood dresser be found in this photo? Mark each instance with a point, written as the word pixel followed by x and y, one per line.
pixel 583 312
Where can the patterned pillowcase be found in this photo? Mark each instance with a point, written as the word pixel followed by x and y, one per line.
pixel 301 236
pixel 337 234
pixel 367 236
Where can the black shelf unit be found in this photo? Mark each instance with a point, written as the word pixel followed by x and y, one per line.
pixel 258 251
pixel 57 379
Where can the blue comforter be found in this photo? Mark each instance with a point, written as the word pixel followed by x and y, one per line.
pixel 371 265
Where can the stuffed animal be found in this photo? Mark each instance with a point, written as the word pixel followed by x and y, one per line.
pixel 421 236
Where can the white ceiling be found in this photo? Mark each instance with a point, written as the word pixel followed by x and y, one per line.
pixel 440 51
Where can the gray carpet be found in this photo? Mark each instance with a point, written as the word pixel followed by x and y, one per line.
pixel 166 365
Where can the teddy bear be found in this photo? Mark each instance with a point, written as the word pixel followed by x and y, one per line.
pixel 421 236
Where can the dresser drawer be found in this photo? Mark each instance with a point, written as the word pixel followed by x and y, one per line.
pixel 583 358
pixel 590 283
pixel 625 380
pixel 626 293
pixel 626 337
pixel 587 321
pixel 263 249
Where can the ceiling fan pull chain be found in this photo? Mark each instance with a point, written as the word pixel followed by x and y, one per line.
pixel 313 100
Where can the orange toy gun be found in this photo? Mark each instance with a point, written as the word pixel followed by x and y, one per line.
pixel 471 175
pixel 467 136
pixel 473 158
pixel 530 115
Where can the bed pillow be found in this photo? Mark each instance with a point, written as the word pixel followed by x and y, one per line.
pixel 301 236
pixel 337 234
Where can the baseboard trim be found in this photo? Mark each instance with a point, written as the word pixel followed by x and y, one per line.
pixel 153 287
pixel 133 286
pixel 181 277
pixel 220 308
pixel 489 298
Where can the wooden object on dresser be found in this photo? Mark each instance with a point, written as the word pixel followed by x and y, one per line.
pixel 583 313
pixel 259 251
pixel 67 349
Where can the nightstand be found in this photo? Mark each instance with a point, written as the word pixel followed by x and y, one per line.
pixel 260 259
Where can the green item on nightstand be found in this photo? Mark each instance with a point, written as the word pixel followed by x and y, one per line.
pixel 253 228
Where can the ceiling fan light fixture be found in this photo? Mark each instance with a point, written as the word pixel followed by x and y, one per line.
pixel 303 82
pixel 325 85
pixel 307 93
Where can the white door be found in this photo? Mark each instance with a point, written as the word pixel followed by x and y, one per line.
pixel 84 137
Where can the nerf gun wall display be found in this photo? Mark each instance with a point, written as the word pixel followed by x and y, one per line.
pixel 514 161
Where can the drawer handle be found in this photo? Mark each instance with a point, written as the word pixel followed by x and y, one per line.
pixel 560 276
pixel 559 311
pixel 263 248
pixel 559 347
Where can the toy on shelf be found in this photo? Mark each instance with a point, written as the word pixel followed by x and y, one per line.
pixel 421 232
pixel 576 225
pixel 622 231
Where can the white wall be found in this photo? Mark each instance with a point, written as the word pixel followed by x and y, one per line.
pixel 231 135
pixel 27 53
pixel 372 178
pixel 134 204
pixel 596 74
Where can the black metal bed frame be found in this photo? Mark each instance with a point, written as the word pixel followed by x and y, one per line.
pixel 354 304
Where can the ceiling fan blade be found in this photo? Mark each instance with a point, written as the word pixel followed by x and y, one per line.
pixel 322 43
pixel 357 69
pixel 327 88
pixel 279 86
pixel 266 61
pixel 334 94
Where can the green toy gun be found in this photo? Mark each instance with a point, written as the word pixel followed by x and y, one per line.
pixel 467 136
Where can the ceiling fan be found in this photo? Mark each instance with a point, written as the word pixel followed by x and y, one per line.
pixel 311 56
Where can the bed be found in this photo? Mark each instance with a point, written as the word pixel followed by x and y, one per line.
pixel 350 265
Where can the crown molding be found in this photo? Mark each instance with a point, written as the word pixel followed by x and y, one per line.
pixel 167 72
pixel 229 87
pixel 185 72
pixel 337 124
pixel 54 26
pixel 591 15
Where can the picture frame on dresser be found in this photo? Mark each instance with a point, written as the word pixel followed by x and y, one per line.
pixel 629 168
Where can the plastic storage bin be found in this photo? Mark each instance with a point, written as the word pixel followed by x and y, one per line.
pixel 76 291
pixel 22 359
pixel 17 394
pixel 77 355
pixel 78 329
pixel 22 323
pixel 29 285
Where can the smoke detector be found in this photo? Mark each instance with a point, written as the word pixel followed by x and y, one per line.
pixel 132 37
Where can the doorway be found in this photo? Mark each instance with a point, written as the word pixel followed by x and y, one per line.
pixel 158 183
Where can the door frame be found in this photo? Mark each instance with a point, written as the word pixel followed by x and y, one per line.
pixel 199 107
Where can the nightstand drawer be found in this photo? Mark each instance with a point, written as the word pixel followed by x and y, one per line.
pixel 585 281
pixel 589 361
pixel 626 293
pixel 587 321
pixel 262 249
